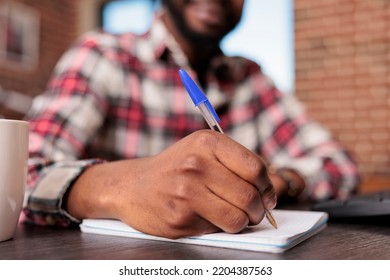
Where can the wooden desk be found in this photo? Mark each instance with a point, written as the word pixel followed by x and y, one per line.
pixel 337 241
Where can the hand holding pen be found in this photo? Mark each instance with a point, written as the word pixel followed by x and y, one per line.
pixel 212 119
pixel 205 182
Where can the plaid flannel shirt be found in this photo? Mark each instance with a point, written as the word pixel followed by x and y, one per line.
pixel 117 97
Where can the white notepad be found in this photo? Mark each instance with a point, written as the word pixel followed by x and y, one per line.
pixel 293 228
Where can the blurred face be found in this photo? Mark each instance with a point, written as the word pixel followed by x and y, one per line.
pixel 204 20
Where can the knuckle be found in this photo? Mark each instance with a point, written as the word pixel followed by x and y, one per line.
pixel 270 190
pixel 250 198
pixel 206 138
pixel 184 192
pixel 255 166
pixel 236 222
pixel 178 220
pixel 266 188
pixel 193 163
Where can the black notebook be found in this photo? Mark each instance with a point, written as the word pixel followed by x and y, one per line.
pixel 374 207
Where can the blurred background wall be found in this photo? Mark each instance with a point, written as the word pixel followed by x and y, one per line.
pixel 342 69
pixel 58 23
pixel 342 74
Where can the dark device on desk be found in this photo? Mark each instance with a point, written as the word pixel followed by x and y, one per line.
pixel 371 208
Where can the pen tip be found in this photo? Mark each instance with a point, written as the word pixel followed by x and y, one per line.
pixel 271 219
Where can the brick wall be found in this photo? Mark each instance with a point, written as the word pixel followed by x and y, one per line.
pixel 58 29
pixel 342 52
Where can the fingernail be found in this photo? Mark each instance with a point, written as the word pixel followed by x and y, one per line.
pixel 270 202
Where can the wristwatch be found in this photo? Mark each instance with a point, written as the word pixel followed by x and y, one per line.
pixel 285 175
pixel 292 187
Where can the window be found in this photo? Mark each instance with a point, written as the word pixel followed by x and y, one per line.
pixel 265 33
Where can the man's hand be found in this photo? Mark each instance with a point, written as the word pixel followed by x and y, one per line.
pixel 204 183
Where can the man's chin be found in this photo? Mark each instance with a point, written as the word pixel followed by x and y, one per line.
pixel 204 40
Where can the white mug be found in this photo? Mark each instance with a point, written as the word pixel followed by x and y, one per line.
pixel 13 174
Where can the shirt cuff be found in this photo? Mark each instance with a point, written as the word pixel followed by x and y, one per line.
pixel 45 202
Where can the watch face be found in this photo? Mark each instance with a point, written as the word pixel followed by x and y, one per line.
pixel 292 188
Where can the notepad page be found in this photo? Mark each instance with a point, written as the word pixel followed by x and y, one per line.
pixel 291 224
pixel 293 227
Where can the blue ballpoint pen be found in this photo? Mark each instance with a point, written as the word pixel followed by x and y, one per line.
pixel 200 100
